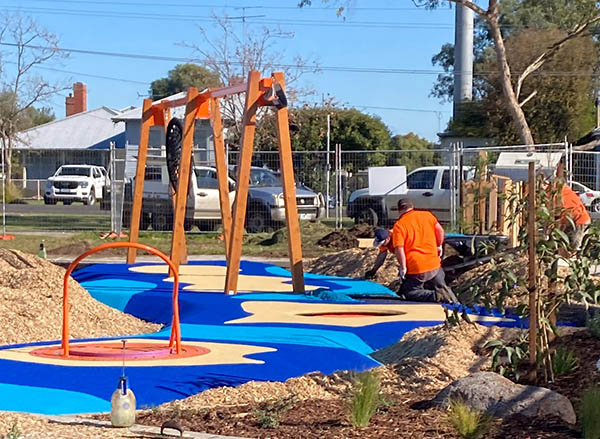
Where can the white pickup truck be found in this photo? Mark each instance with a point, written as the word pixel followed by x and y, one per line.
pixel 428 189
pixel 84 183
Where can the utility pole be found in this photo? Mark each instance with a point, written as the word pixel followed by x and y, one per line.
pixel 463 57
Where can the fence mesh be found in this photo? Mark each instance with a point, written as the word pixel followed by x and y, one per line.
pixel 327 185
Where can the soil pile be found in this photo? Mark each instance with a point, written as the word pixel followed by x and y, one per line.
pixel 31 291
pixel 424 360
pixel 428 359
pixel 353 263
pixel 347 238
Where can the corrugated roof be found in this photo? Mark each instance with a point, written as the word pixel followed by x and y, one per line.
pixel 136 113
pixel 92 129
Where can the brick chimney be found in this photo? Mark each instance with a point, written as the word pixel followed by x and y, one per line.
pixel 77 101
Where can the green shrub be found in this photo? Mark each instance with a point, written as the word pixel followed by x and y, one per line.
pixel 593 325
pixel 266 419
pixel 468 422
pixel 365 398
pixel 564 361
pixel 590 413
pixel 13 193
pixel 268 415
pixel 507 357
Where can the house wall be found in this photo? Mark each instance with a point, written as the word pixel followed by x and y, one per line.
pixel 41 164
pixel 203 145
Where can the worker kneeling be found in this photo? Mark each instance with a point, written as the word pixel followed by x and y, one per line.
pixel 416 241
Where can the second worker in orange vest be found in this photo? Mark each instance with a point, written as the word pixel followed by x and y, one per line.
pixel 417 239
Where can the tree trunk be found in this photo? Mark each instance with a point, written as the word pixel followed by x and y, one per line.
pixel 514 108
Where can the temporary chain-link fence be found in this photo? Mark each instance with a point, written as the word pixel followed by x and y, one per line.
pixel 331 187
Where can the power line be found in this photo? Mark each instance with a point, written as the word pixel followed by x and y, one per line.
pixel 188 18
pixel 194 5
pixel 415 110
pixel 90 75
pixel 307 67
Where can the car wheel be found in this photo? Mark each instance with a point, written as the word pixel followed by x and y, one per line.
pixel 67 202
pixel 91 200
pixel 256 222
pixel 367 216
pixel 188 225
pixel 595 206
pixel 50 201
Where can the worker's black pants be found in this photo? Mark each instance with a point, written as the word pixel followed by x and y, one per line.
pixel 427 287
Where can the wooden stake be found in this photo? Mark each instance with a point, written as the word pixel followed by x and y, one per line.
pixel 178 245
pixel 531 228
pixel 289 193
pixel 222 172
pixel 482 184
pixel 243 181
pixel 136 208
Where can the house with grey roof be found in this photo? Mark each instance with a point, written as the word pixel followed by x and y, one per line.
pixel 83 137
pixel 203 149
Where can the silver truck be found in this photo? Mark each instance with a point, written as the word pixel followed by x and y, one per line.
pixel 427 187
pixel 265 209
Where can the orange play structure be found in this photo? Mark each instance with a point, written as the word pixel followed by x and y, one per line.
pixel 260 92
pixel 175 338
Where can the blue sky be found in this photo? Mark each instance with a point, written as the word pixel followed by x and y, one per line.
pixel 376 34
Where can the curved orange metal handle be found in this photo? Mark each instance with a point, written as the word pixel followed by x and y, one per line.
pixel 175 330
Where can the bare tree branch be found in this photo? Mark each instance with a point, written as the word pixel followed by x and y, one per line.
pixel 530 97
pixel 552 50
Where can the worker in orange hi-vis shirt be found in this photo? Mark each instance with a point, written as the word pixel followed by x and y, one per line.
pixel 417 238
pixel 579 214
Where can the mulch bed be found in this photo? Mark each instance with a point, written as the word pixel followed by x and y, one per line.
pixel 313 419
pixel 328 419
pixel 587 350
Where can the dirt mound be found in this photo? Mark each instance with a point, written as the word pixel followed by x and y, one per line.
pixel 347 238
pixel 31 291
pixel 353 263
pixel 431 358
pixel 426 359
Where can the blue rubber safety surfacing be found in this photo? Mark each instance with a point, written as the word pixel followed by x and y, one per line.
pixel 291 334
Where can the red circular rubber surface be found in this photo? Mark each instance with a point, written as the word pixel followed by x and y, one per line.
pixel 114 351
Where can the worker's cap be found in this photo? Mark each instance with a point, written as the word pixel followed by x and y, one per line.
pixel 380 236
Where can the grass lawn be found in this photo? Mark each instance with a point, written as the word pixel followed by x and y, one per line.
pixel 267 245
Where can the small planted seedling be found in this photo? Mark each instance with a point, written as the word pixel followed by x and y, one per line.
pixel 269 414
pixel 365 398
pixel 564 361
pixel 468 422
pixel 14 432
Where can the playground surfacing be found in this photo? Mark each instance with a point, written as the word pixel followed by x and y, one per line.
pixel 263 333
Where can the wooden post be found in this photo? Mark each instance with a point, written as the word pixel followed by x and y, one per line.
pixel 222 172
pixel 178 246
pixel 136 208
pixel 468 206
pixel 482 185
pixel 493 206
pixel 531 229
pixel 243 181
pixel 289 193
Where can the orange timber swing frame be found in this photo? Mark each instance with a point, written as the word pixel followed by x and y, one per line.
pixel 260 92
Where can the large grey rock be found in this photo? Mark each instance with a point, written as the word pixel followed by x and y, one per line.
pixel 498 396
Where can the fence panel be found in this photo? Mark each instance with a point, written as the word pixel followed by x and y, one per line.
pixel 325 185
